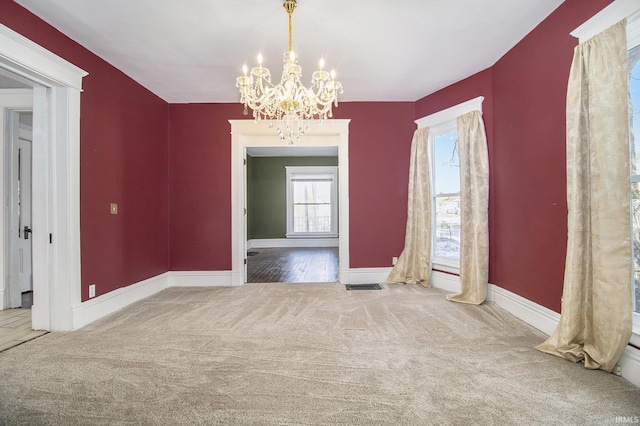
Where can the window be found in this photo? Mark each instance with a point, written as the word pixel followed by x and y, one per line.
pixel 312 206
pixel 446 198
pixel 445 182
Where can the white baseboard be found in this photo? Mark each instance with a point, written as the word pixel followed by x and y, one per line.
pixel 537 316
pixel 630 364
pixel 98 307
pixel 199 279
pixel 292 242
pixel 546 320
pixel 444 281
pixel 366 275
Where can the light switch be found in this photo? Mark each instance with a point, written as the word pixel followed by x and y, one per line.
pixel 114 208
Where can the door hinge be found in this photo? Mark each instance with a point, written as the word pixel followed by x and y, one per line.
pixel 244 162
pixel 245 261
pixel 50 238
pixel 245 210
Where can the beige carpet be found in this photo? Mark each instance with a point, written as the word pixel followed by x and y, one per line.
pixel 290 354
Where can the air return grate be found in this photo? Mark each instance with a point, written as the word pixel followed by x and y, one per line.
pixel 363 286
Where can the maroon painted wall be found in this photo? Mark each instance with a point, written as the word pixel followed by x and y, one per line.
pixel 379 150
pixel 525 122
pixel 200 182
pixel 168 167
pixel 200 185
pixel 123 159
pixel 529 106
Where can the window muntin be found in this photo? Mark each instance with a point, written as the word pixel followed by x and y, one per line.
pixel 312 202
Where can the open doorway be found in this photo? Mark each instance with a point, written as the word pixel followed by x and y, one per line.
pixel 293 226
pixel 248 134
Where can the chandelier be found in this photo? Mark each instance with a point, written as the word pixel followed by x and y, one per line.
pixel 289 104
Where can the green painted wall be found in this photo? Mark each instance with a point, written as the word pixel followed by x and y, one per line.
pixel 267 193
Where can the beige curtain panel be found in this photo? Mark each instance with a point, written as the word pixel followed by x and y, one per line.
pixel 474 204
pixel 414 264
pixel 596 318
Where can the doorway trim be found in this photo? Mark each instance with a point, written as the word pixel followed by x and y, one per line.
pixel 56 177
pixel 249 133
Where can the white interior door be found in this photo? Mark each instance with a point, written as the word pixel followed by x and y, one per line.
pixel 23 198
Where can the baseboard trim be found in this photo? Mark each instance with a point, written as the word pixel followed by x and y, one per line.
pixel 546 320
pixel 200 279
pixel 101 306
pixel 445 281
pixel 367 275
pixel 537 316
pixel 292 242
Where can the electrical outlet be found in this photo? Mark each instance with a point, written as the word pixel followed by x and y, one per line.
pixel 92 290
pixel 617 370
pixel 394 260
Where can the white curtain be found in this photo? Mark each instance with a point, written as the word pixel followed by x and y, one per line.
pixel 596 320
pixel 414 264
pixel 474 215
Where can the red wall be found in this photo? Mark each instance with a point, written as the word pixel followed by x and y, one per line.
pixel 200 185
pixel 200 182
pixel 525 122
pixel 529 101
pixel 123 158
pixel 172 182
pixel 379 150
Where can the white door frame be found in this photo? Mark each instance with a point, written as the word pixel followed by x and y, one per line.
pixel 56 178
pixel 249 133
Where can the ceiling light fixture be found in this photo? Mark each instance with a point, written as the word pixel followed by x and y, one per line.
pixel 290 104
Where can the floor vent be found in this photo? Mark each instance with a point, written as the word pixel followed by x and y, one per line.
pixel 363 286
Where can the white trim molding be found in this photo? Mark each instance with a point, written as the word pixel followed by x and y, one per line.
pixel 446 281
pixel 199 279
pixel 546 321
pixel 367 275
pixel 451 113
pixel 610 15
pixel 93 309
pixel 56 177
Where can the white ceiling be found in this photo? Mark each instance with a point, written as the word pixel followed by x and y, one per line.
pixel 382 50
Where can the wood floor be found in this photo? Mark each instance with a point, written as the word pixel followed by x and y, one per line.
pixel 293 265
pixel 15 325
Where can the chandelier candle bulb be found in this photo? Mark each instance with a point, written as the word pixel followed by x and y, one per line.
pixel 289 104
